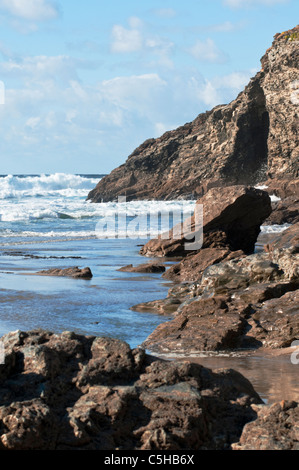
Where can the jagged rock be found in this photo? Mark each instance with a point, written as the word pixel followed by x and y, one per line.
pixel 75 273
pixel 193 266
pixel 282 188
pixel 72 392
pixel 284 212
pixel 280 265
pixel 144 268
pixel 231 220
pixel 244 142
pixel 243 303
pixel 202 325
pixel 162 307
pixel 287 239
pixel 251 318
pixel 275 323
pixel 276 428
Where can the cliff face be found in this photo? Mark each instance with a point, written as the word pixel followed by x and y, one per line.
pixel 250 140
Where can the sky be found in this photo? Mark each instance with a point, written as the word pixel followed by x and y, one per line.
pixel 83 84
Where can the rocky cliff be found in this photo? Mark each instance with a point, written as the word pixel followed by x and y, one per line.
pixel 252 139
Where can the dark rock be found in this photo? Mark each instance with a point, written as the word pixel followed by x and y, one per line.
pixel 154 268
pixel 75 273
pixel 231 219
pixel 243 142
pixel 276 428
pixel 71 392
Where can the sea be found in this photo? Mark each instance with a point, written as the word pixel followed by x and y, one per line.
pixel 46 222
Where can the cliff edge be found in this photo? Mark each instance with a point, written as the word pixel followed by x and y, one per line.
pixel 250 140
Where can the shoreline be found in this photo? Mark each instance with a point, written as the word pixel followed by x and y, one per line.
pixel 271 372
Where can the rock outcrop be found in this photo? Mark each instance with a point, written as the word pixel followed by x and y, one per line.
pixel 285 211
pixel 75 273
pixel 244 302
pixel 146 268
pixel 252 139
pixel 231 220
pixel 276 428
pixel 72 392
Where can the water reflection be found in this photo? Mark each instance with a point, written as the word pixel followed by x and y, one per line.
pixel 273 376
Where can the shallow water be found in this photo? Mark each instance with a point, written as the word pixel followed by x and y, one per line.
pixel 98 307
pixel 274 377
pixel 46 223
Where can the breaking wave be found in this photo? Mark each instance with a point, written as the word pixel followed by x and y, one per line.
pixel 58 184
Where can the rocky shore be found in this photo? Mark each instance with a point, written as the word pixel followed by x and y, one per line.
pixel 226 297
pixel 68 391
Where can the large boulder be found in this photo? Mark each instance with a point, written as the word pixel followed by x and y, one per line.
pixel 71 392
pixel 231 219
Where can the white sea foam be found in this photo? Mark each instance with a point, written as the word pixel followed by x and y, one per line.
pixel 61 208
pixel 55 206
pixel 262 187
pixel 65 185
pixel 274 228
pixel 275 198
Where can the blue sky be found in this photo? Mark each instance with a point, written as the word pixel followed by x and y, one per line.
pixel 87 82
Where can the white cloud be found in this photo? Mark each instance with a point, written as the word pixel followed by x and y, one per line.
pixel 207 51
pixel 33 122
pixel 137 92
pixel 155 49
pixel 33 10
pixel 127 40
pixel 43 68
pixel 250 3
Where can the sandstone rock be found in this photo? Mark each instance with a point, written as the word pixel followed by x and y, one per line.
pixel 162 307
pixel 284 212
pixel 242 303
pixel 275 323
pixel 75 273
pixel 193 266
pixel 276 428
pixel 202 325
pixel 243 142
pixel 287 239
pixel 251 318
pixel 282 188
pixel 280 265
pixel 231 219
pixel 71 392
pixel 154 268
